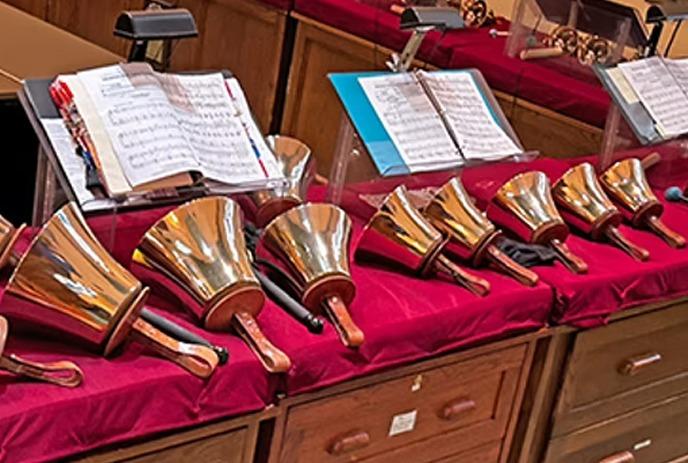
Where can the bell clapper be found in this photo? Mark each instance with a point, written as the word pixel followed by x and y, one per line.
pixel 197 359
pixel 569 259
pixel 474 284
pixel 635 251
pixel 674 239
pixel 272 358
pixel 508 266
pixel 350 334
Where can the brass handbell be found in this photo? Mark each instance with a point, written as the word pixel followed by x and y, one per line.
pixel 67 284
pixel 66 374
pixel 313 241
pixel 525 206
pixel 198 253
pixel 627 186
pixel 8 238
pixel 585 206
pixel 472 236
pixel 400 234
pixel 296 163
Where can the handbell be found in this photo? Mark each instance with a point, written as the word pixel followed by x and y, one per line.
pixel 472 237
pixel 63 373
pixel 8 238
pixel 313 241
pixel 198 253
pixel 67 284
pixel 296 164
pixel 397 232
pixel 627 186
pixel 585 206
pixel 525 206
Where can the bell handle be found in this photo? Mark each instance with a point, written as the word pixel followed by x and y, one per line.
pixel 474 284
pixel 630 248
pixel 64 373
pixel 510 267
pixel 651 160
pixel 273 359
pixel 675 240
pixel 350 334
pixel 199 360
pixel 568 258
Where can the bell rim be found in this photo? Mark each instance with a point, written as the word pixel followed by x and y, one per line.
pixel 519 176
pixel 302 206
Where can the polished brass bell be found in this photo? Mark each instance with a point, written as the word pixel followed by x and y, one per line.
pixel 627 186
pixel 63 373
pixel 472 237
pixel 585 206
pixel 198 253
pixel 67 284
pixel 399 233
pixel 295 161
pixel 313 241
pixel 525 206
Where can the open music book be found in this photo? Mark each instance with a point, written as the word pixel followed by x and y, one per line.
pixel 426 120
pixel 146 131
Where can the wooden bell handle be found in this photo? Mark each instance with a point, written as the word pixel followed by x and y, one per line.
pixel 272 358
pixel 474 284
pixel 350 334
pixel 349 442
pixel 457 408
pixel 65 374
pixel 621 457
pixel 508 266
pixel 674 239
pixel 197 359
pixel 568 258
pixel 634 365
pixel 651 160
pixel 540 53
pixel 626 245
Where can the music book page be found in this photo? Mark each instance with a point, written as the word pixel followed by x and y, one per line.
pixel 679 69
pixel 470 119
pixel 660 93
pixel 411 121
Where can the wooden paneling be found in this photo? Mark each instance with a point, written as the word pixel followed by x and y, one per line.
pixel 37 8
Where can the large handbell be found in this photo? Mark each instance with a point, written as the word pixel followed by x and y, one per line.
pixel 525 206
pixel 584 205
pixel 198 253
pixel 472 236
pixel 66 284
pixel 313 241
pixel 398 233
pixel 627 186
pixel 63 373
pixel 296 163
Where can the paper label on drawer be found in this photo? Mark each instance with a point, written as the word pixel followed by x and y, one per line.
pixel 404 422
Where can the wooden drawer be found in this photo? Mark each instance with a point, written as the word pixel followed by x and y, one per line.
pixel 484 454
pixel 625 365
pixel 655 434
pixel 421 417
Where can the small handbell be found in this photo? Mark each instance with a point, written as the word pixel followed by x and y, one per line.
pixel 295 161
pixel 67 284
pixel 472 237
pixel 627 186
pixel 313 241
pixel 584 205
pixel 198 253
pixel 63 373
pixel 525 206
pixel 400 234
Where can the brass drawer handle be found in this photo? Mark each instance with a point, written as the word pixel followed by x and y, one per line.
pixel 349 442
pixel 621 457
pixel 456 408
pixel 633 365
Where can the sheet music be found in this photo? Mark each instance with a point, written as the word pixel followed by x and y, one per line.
pixel 72 164
pixel 140 122
pixel 473 125
pixel 679 69
pixel 660 94
pixel 412 121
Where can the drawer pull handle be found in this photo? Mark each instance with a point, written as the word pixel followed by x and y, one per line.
pixel 347 443
pixel 456 408
pixel 633 365
pixel 621 457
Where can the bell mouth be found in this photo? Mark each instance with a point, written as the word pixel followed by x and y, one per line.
pixel 427 266
pixel 123 326
pixel 326 286
pixel 247 298
pixel 273 208
pixel 7 247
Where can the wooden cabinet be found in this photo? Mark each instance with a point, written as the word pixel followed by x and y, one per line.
pixel 37 8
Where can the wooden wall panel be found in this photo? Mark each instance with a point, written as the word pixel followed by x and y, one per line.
pixel 38 8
